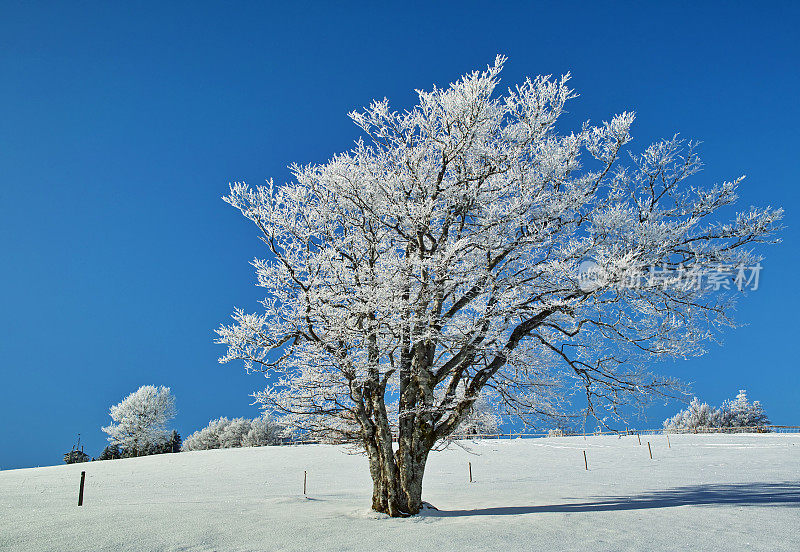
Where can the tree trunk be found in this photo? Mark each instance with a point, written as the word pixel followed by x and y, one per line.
pixel 411 475
pixel 397 479
pixel 398 496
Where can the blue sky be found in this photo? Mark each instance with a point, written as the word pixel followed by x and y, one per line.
pixel 121 125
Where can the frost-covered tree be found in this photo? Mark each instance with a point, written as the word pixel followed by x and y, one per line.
pixel 742 413
pixel 696 416
pixel 140 420
pixel 208 437
pixel 735 413
pixel 445 250
pixel 233 433
pixel 263 432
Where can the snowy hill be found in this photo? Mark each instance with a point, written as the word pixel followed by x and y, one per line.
pixel 706 493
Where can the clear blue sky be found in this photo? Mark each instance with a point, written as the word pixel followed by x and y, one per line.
pixel 121 126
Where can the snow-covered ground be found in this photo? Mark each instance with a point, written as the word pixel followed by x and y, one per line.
pixel 706 493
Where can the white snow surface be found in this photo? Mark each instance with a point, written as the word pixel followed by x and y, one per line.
pixel 707 493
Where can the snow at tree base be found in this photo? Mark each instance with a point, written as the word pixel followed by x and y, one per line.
pixel 445 255
pixel 718 492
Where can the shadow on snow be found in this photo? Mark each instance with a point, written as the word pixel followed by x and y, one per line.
pixel 741 494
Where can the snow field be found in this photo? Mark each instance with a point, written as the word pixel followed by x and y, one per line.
pixel 707 492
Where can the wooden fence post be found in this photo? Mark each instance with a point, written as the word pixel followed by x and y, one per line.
pixel 305 475
pixel 80 492
pixel 649 450
pixel 470 472
pixel 668 443
pixel 585 461
pixel 639 437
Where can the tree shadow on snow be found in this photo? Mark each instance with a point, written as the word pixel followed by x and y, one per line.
pixel 741 494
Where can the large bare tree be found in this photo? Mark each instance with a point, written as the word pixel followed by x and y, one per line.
pixel 445 255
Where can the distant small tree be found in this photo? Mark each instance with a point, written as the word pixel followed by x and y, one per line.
pixel 140 420
pixel 111 452
pixel 174 442
pixel 76 457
